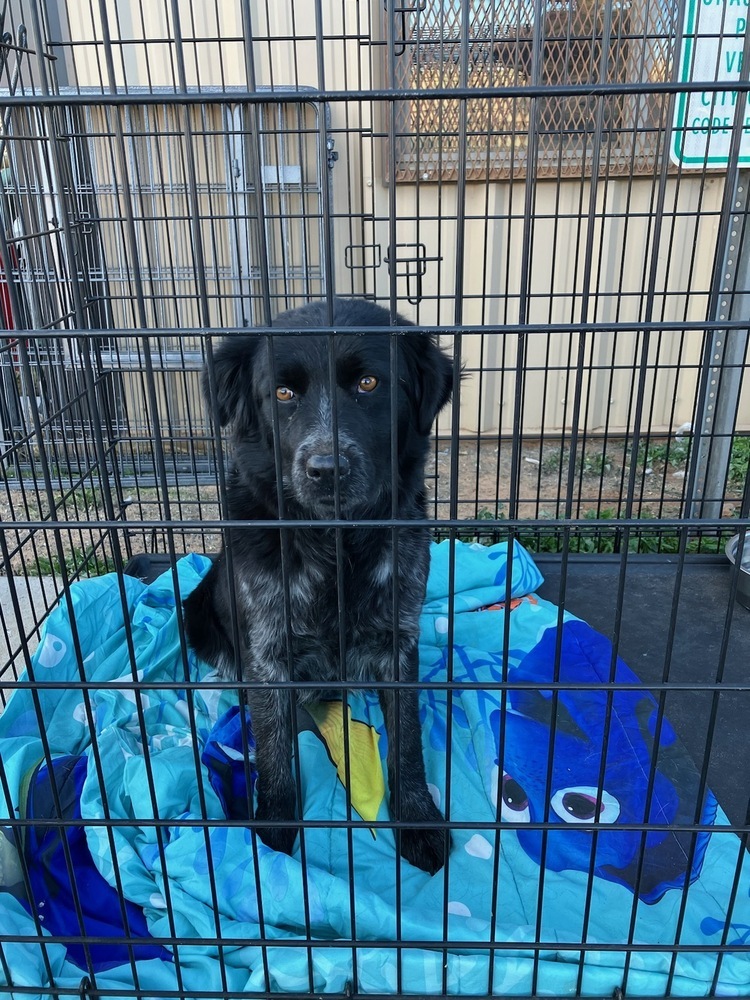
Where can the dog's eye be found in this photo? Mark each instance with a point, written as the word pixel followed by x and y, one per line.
pixel 367 383
pixel 284 394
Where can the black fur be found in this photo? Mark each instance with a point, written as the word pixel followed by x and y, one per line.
pixel 244 394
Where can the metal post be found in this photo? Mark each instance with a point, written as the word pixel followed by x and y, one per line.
pixel 724 360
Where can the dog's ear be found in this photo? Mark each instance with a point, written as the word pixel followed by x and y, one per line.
pixel 232 365
pixel 432 377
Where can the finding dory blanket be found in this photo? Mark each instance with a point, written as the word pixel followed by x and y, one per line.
pixel 170 754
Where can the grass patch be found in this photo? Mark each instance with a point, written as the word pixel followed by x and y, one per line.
pixel 77 564
pixel 674 453
pixel 739 460
pixel 599 539
pixel 590 463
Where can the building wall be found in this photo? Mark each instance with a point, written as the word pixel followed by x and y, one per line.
pixel 550 252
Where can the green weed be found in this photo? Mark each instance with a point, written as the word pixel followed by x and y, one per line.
pixel 596 464
pixel 658 454
pixel 590 463
pixel 77 563
pixel 602 539
pixel 739 461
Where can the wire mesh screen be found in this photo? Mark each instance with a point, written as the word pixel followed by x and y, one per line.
pixel 397 645
pixel 510 45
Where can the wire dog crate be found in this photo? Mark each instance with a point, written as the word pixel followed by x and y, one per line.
pixel 558 191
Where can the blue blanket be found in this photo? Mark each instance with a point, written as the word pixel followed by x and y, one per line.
pixel 161 886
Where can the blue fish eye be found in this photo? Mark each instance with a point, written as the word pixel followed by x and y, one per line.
pixel 585 804
pixel 515 802
pixel 581 806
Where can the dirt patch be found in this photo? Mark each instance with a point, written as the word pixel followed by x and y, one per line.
pixel 550 484
pixel 474 482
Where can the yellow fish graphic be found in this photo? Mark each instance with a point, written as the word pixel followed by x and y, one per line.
pixel 366 783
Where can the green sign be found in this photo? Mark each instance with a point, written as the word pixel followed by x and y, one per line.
pixel 712 51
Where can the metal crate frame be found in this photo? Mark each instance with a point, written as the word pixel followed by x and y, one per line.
pixel 95 474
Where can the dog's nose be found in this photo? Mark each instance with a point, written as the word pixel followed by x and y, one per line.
pixel 321 467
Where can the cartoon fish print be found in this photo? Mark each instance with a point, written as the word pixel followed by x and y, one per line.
pixel 587 727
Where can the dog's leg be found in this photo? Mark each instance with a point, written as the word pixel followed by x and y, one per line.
pixel 207 610
pixel 270 710
pixel 410 798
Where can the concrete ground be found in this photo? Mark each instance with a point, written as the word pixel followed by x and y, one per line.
pixel 35 595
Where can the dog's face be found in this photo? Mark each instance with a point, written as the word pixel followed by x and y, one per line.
pixel 327 402
pixel 311 401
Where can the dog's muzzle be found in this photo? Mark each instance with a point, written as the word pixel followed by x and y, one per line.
pixel 322 469
pixel 319 470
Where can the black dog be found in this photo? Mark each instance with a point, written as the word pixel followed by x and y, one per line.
pixel 314 470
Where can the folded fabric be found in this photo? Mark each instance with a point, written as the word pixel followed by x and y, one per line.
pixel 121 757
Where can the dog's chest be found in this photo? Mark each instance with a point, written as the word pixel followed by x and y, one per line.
pixel 322 599
pixel 322 611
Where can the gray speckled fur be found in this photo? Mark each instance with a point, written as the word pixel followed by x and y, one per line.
pixel 294 611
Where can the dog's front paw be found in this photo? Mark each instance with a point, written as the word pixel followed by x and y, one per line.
pixel 278 838
pixel 425 849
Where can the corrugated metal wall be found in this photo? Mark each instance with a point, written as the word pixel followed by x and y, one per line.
pixel 601 250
